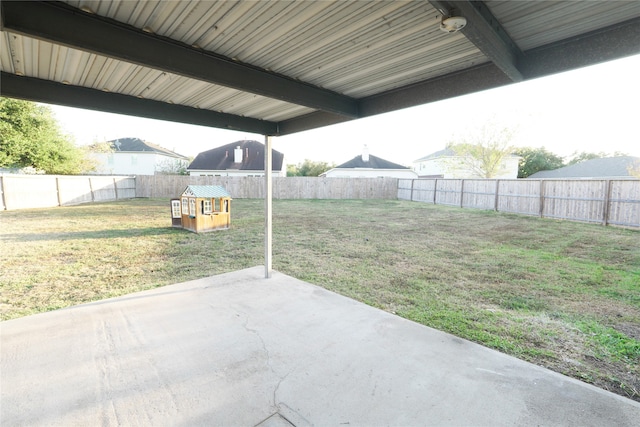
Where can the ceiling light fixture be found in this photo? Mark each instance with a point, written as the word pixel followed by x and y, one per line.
pixel 453 24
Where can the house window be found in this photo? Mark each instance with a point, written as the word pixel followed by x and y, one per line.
pixel 206 206
pixel 192 207
pixel 185 205
pixel 110 159
pixel 175 209
pixel 134 159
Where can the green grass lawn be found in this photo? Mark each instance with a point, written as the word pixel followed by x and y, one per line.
pixel 559 294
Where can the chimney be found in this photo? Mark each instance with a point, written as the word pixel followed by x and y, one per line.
pixel 365 154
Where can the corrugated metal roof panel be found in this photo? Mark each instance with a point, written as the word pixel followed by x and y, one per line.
pixel 336 45
pixel 78 68
pixel 8 58
pixel 354 48
pixel 535 23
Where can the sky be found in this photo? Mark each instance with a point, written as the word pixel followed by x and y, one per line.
pixel 592 109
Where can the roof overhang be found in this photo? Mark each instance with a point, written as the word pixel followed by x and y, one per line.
pixel 276 68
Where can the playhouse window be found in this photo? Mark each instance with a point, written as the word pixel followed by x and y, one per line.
pixel 192 207
pixel 206 206
pixel 226 206
pixel 175 209
pixel 213 205
pixel 185 205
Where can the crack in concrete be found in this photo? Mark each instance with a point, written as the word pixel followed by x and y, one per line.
pixel 275 391
pixel 274 396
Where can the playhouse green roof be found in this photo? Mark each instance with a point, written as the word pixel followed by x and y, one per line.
pixel 206 191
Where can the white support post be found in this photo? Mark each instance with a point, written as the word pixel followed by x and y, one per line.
pixel 268 217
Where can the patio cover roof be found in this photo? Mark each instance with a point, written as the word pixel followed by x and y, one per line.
pixel 279 67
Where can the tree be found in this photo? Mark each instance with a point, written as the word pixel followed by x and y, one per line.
pixel 577 157
pixel 309 168
pixel 634 169
pixel 31 138
pixel 536 159
pixel 173 167
pixel 101 147
pixel 292 170
pixel 484 155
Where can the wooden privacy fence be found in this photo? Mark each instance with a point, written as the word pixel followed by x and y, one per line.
pixel 44 191
pixel 615 202
pixel 36 191
pixel 283 188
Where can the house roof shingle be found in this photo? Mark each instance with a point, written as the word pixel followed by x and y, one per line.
pixel 373 163
pixel 137 145
pixel 222 158
pixel 447 152
pixel 594 168
pixel 206 191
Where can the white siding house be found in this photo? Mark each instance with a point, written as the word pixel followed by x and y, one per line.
pixel 445 164
pixel 133 156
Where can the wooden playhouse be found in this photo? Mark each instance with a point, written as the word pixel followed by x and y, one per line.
pixel 202 208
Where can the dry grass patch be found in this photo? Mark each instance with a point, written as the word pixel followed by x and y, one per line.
pixel 560 294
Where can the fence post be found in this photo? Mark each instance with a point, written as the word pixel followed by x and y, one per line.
pixel 58 191
pixel 115 188
pixel 4 199
pixel 607 200
pixel 435 190
pixel 461 193
pixel 495 203
pixel 541 198
pixel 93 196
pixel 412 182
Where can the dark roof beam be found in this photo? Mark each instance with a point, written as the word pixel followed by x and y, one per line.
pixel 60 23
pixel 606 44
pixel 482 77
pixel 49 92
pixel 486 33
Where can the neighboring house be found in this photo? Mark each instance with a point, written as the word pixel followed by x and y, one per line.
pixel 368 166
pixel 608 167
pixel 241 158
pixel 133 156
pixel 446 164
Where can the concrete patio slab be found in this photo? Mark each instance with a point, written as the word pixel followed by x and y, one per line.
pixel 240 350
